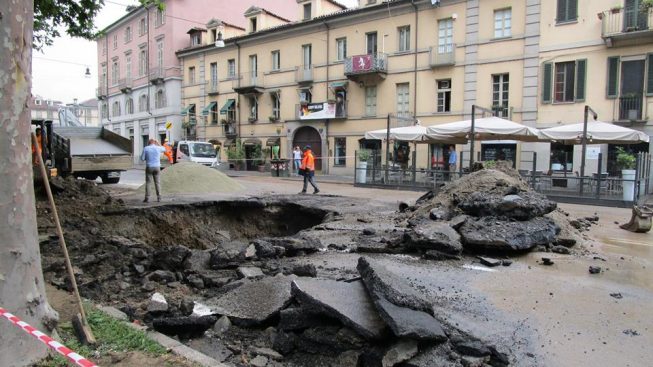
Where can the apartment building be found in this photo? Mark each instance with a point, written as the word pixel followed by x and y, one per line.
pixel 140 78
pixel 42 108
pixel 326 79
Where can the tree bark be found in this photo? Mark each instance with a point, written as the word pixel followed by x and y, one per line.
pixel 22 290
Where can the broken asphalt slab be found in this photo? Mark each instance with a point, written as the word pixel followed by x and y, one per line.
pixel 254 302
pixel 347 302
pixel 405 322
pixel 493 234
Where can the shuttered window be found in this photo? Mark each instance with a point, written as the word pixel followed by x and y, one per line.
pixel 567 11
pixel 546 83
pixel 612 88
pixel 649 76
pixel 581 77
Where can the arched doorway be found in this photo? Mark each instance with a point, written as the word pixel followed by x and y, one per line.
pixel 307 135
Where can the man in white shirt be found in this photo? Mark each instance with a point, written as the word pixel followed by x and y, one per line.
pixel 152 157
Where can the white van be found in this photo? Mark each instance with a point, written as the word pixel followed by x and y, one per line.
pixel 195 151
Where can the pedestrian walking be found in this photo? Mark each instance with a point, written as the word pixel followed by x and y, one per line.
pixel 453 158
pixel 152 157
pixel 308 170
pixel 297 159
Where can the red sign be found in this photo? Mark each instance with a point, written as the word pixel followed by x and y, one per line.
pixel 361 63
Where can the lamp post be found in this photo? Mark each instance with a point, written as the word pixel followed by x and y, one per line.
pixel 584 141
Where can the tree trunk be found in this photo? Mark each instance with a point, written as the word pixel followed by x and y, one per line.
pixel 22 291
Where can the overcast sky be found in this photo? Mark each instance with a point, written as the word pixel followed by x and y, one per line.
pixel 58 70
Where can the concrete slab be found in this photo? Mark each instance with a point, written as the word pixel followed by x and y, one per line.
pixel 405 322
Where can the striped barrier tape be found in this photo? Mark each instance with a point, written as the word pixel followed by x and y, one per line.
pixel 53 344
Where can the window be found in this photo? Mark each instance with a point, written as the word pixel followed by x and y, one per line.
pixel 103 80
pixel 191 75
pixel 500 88
pixel 160 17
pixel 253 109
pixel 253 68
pixel 160 99
pixel 341 47
pixel 370 42
pixel 307 11
pixel 128 34
pixel 129 106
pixel 142 62
pixel 305 95
pixel 444 95
pixel 37 102
pixel 502 23
pixel 404 38
pixel 567 11
pixel 403 97
pixel 276 60
pixel 276 106
pixel 252 24
pixel 104 111
pixel 115 72
pixel 128 66
pixel 231 68
pixel 370 101
pixel 142 27
pixel 195 39
pixel 143 104
pixel 115 110
pixel 214 113
pixel 306 57
pixel 214 76
pixel 445 36
pixel 159 53
pixel 340 156
pixel 115 41
pixel 564 82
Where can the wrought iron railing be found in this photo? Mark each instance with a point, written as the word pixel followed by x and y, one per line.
pixel 617 21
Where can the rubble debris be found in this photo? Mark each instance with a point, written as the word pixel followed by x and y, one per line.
pixel 221 326
pixel 506 262
pixel 250 272
pixel 254 302
pixel 157 303
pixel 594 269
pixel 560 250
pixel 616 295
pixel 267 352
pixel 547 261
pixel 303 270
pixel 185 326
pixel 200 309
pixel 493 234
pixel 328 340
pixel 640 220
pixel 162 276
pixel 438 236
pixel 259 361
pixel 399 352
pixel 298 318
pixel 191 178
pixel 522 206
pixel 438 355
pixel 489 262
pixel 405 322
pixel 347 302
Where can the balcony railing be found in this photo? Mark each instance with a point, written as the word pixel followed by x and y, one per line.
pixel 212 87
pixel 229 130
pixel 366 64
pixel 249 82
pixel 442 55
pixel 630 107
pixel 627 22
pixel 125 85
pixel 304 74
pixel 158 74
pixel 102 92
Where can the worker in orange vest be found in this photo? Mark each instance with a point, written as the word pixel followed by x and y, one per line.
pixel 168 152
pixel 308 170
pixel 36 149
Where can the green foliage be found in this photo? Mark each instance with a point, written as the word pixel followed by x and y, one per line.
pixel 364 155
pixel 257 155
pixel 625 160
pixel 112 336
pixel 236 152
pixel 489 164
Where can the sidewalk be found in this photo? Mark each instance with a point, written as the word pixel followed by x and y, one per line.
pixel 336 179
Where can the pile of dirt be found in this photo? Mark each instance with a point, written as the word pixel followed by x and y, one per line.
pixel 193 178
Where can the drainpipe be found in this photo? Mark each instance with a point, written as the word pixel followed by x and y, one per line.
pixel 238 98
pixel 326 123
pixel 415 61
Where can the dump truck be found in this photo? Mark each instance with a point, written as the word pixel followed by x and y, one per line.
pixel 85 152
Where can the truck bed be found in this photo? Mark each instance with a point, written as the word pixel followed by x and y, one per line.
pixel 89 141
pixel 91 149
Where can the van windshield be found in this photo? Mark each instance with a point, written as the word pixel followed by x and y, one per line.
pixel 204 150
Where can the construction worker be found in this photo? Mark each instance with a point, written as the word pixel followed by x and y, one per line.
pixel 168 152
pixel 36 150
pixel 308 170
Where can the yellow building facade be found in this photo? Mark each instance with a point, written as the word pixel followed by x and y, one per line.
pixel 326 80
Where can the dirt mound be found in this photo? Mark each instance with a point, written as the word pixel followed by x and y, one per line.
pixel 193 178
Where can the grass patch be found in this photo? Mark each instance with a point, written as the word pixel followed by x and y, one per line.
pixel 111 335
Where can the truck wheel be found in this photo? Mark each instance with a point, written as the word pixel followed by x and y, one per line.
pixel 110 180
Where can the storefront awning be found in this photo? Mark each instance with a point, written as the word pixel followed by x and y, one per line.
pixel 339 85
pixel 227 106
pixel 186 110
pixel 252 142
pixel 272 142
pixel 206 110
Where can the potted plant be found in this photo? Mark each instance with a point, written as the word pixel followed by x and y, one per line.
pixel 259 158
pixel 626 163
pixel 361 168
pixel 236 154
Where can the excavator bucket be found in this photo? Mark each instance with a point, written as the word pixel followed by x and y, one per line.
pixel 640 220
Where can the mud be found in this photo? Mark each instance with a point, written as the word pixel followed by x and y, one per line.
pixel 196 252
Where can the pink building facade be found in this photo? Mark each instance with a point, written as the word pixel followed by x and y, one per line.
pixel 140 79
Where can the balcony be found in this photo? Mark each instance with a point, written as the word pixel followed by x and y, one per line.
pixel 442 55
pixel 370 68
pixel 157 75
pixel 322 110
pixel 102 92
pixel 630 107
pixel 304 74
pixel 212 87
pixel 125 85
pixel 626 26
pixel 249 83
pixel 230 130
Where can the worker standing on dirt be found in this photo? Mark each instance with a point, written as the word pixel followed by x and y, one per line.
pixel 152 157
pixel 168 152
pixel 308 169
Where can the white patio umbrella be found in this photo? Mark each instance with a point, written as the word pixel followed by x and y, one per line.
pixel 416 134
pixel 597 133
pixel 486 128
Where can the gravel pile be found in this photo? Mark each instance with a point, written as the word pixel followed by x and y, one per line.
pixel 193 178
